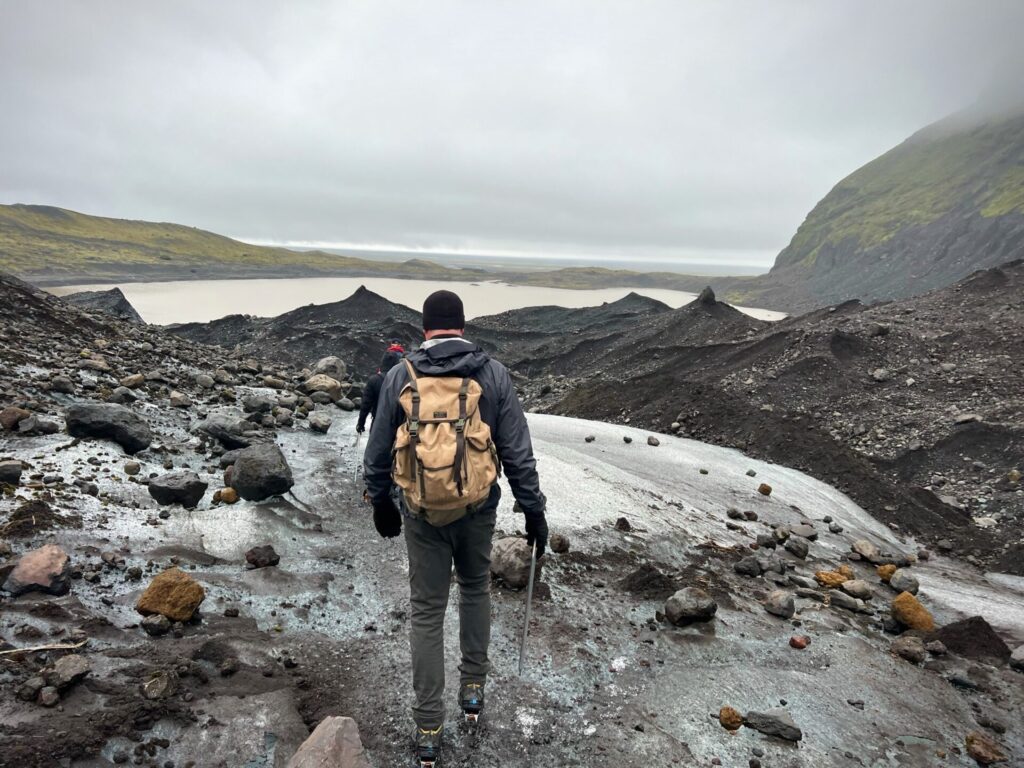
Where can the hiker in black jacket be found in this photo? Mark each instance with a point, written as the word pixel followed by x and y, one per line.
pixel 466 542
pixel 371 392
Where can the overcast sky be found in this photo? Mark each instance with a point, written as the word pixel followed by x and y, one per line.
pixel 701 131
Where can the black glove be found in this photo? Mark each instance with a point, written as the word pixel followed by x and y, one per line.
pixel 360 428
pixel 386 517
pixel 537 531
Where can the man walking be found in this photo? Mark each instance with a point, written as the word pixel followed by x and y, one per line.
pixel 371 392
pixel 448 421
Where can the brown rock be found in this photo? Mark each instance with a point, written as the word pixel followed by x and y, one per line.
pixel 10 417
pixel 46 569
pixel 984 750
pixel 730 719
pixel 885 572
pixel 908 611
pixel 764 489
pixel 833 579
pixel 173 594
pixel 228 495
pixel 322 383
pixel 799 642
pixel 334 743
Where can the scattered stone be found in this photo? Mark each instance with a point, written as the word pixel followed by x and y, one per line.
pixel 751 473
pixel 867 550
pixel 985 750
pixel 966 418
pixel 331 366
pixel 622 524
pixel 834 579
pixel 261 471
pixel 228 666
pixel 780 603
pixel 67 671
pixel 510 561
pixel 764 489
pixel 11 417
pixel 730 719
pixel 589 438
pixel 847 602
pixel 322 383
pixel 627 439
pixel 1017 659
pixel 109 421
pixel 936 648
pixel 46 569
pixel 748 566
pixel 228 495
pixel 776 722
pixel 653 441
pixel 156 625
pixel 797 547
pixel 132 468
pixel 160 685
pixel 319 421
pixel 346 404
pixel 29 690
pixel 881 374
pixel 262 556
pixel 886 571
pixel 909 647
pixel 180 400
pixel 204 381
pixel 973 638
pixel 799 642
pixel 182 487
pixel 902 581
pixel 228 425
pixel 857 588
pixel 134 381
pixel 49 696
pixel 10 472
pixel 690 605
pixel 908 611
pixel 173 594
pixel 804 531
pixel 559 543
pixel 62 384
pixel 334 743
pixel 923 555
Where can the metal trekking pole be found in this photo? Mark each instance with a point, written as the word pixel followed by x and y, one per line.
pixel 359 460
pixel 529 605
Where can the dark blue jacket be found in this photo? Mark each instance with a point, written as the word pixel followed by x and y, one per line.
pixel 499 408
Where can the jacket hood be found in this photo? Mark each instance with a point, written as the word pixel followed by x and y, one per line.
pixel 453 357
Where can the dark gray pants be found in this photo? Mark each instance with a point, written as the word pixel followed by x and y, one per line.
pixel 466 543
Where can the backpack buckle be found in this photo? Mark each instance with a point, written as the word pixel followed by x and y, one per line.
pixel 414 427
pixel 460 425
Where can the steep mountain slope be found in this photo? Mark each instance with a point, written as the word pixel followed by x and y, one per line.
pixel 914 408
pixel 44 244
pixel 947 201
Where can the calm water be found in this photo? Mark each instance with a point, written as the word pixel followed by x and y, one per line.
pixel 203 300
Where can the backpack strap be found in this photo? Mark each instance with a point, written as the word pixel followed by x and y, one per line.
pixel 414 421
pixel 460 437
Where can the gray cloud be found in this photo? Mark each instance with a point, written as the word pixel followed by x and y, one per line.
pixel 698 130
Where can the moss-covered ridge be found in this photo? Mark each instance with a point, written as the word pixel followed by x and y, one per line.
pixel 954 165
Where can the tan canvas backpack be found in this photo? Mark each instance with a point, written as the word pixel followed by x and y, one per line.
pixel 444 459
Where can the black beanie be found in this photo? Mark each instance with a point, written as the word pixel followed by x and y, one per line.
pixel 443 310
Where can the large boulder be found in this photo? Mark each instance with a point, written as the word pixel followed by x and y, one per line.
pixel 261 471
pixel 510 561
pixel 46 569
pixel 182 487
pixel 109 421
pixel 227 425
pixel 322 383
pixel 333 744
pixel 173 594
pixel 690 605
pixel 973 638
pixel 331 366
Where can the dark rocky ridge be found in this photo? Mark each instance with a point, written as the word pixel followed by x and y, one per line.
pixel 113 302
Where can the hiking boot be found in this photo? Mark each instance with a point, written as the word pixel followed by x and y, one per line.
pixel 428 746
pixel 471 700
